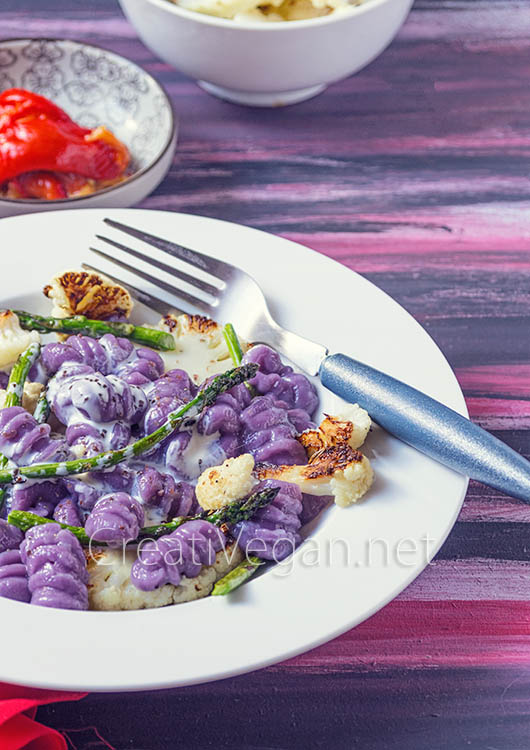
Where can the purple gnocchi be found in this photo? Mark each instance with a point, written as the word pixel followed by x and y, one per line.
pixel 62 499
pixel 269 435
pixel 224 417
pixel 24 441
pixel 82 494
pixel 97 410
pixel 56 567
pixel 10 536
pixel 13 576
pixel 141 369
pixel 78 392
pixel 38 497
pixel 107 355
pixel 185 501
pixel 222 423
pixel 181 553
pixel 157 489
pixel 165 395
pixel 280 381
pixel 115 519
pixel 66 511
pixel 272 534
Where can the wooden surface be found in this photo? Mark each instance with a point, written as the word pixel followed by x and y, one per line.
pixel 415 173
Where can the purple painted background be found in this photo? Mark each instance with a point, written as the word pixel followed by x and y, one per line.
pixel 415 173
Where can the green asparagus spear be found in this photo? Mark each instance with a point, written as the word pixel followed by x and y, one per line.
pixel 15 391
pixel 232 342
pixel 24 520
pixel 19 373
pixel 237 576
pixel 234 347
pixel 248 567
pixel 42 408
pixel 206 397
pixel 96 328
pixel 240 510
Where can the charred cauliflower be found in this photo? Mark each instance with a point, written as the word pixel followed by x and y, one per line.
pixel 200 348
pixel 110 586
pixel 339 471
pixel 224 484
pixel 90 294
pixel 350 427
pixel 335 467
pixel 13 339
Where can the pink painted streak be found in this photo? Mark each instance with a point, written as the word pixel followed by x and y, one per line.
pixel 428 634
pixel 471 579
pixel 503 380
pixel 500 414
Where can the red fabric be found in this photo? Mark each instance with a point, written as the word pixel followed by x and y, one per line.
pixel 18 730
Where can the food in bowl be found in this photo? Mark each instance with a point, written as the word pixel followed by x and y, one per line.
pixel 273 10
pixel 135 477
pixel 45 155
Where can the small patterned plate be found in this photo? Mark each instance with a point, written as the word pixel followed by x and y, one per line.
pixel 95 87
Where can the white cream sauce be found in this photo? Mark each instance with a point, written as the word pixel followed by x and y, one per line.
pixel 199 455
pixel 199 355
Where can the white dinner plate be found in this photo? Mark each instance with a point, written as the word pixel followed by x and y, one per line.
pixel 354 561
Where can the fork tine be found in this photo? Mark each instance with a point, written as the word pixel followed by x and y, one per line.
pixel 146 299
pixel 192 280
pixel 206 263
pixel 200 304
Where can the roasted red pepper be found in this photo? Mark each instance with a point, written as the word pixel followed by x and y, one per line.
pixel 36 135
pixel 41 185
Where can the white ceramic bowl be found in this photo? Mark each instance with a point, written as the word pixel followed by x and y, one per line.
pixel 96 87
pixel 266 64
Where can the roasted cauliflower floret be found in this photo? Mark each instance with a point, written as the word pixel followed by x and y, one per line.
pixel 339 471
pixel 220 485
pixel 13 339
pixel 200 348
pixel 110 586
pixel 30 396
pixel 90 294
pixel 350 427
pixel 334 468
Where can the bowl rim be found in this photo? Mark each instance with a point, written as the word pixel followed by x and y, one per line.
pixel 136 175
pixel 364 7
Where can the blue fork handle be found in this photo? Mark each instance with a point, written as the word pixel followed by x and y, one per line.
pixel 428 425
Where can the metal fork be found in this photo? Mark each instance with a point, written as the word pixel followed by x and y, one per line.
pixel 234 296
